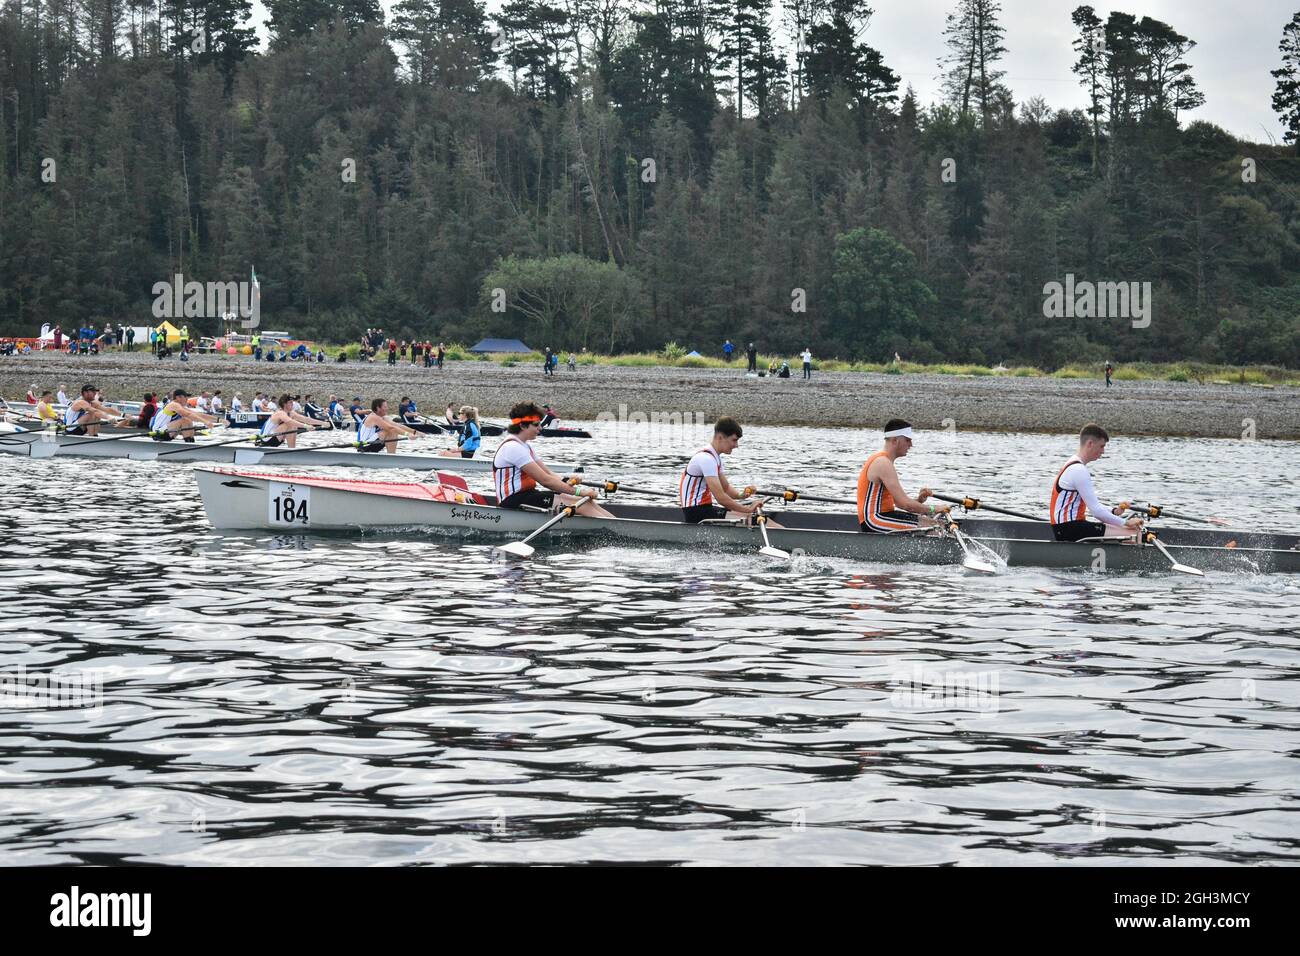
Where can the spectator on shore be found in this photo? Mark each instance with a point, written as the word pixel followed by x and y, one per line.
pixel 727 350
pixel 807 362
pixel 573 364
pixel 752 354
pixel 442 355
pixel 130 338
pixel 546 362
pixel 1110 370
pixel 392 351
pixel 416 349
pixel 58 338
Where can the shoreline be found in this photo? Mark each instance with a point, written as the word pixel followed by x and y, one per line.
pixel 829 399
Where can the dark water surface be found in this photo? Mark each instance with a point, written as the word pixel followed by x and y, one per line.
pixel 409 699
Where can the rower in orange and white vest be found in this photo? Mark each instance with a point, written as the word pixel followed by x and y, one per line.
pixel 517 472
pixel 704 491
pixel 883 506
pixel 1073 495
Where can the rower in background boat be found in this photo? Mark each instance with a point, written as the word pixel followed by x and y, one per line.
pixel 377 432
pixel 517 472
pixel 148 409
pixel 87 413
pixel 1073 495
pixel 357 411
pixel 704 492
pixel 334 411
pixel 45 411
pixel 177 418
pixel 284 424
pixel 312 410
pixel 883 506
pixel 468 437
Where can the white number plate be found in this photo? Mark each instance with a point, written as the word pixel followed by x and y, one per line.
pixel 289 505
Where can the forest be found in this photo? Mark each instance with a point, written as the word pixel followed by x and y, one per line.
pixel 616 175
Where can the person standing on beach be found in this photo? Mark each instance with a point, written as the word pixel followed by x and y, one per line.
pixel 442 354
pixel 58 338
pixel 752 354
pixel 1110 370
pixel 546 362
pixel 130 338
pixel 807 362
pixel 392 351
pixel 727 350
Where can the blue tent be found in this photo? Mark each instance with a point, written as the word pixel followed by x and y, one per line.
pixel 693 354
pixel 500 345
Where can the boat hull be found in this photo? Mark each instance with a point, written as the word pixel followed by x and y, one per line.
pixel 235 500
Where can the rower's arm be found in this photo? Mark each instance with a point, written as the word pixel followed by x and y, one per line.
pixel 550 480
pixel 1081 479
pixel 725 495
pixel 889 478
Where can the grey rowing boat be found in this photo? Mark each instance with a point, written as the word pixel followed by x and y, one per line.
pixel 293 503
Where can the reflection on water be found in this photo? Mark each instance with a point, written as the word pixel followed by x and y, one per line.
pixel 409 699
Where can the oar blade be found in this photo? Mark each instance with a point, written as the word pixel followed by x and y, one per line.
pixel 1187 569
pixel 43 449
pixel 972 563
pixel 143 455
pixel 777 553
pixel 517 549
pixel 248 456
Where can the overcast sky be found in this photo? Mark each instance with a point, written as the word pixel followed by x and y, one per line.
pixel 1236 48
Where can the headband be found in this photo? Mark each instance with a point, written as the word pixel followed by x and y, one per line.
pixel 525 420
pixel 900 433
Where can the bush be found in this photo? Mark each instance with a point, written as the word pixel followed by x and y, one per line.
pixel 672 351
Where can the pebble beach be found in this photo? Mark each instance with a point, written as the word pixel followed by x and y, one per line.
pixel 831 399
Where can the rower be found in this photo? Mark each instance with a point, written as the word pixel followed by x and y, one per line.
pixel 218 407
pixel 282 427
pixel 236 405
pixel 377 433
pixel 312 410
pixel 1073 495
pixel 883 506
pixel 406 411
pixel 334 410
pixel 549 417
pixel 517 471
pixel 204 403
pixel 357 411
pixel 177 418
pixel 452 417
pixel 45 411
pixel 31 394
pixel 703 481
pixel 468 437
pixel 259 405
pixel 84 416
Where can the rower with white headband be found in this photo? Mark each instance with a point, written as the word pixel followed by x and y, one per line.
pixel 883 506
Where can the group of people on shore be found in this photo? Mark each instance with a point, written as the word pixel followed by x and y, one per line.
pixel 773 369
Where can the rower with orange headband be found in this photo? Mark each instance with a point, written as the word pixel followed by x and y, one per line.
pixel 518 472
pixel 883 506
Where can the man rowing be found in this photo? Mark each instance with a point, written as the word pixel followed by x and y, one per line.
pixel 703 481
pixel 883 506
pixel 177 418
pixel 84 416
pixel 377 433
pixel 284 424
pixel 517 472
pixel 45 411
pixel 1073 495
pixel 334 410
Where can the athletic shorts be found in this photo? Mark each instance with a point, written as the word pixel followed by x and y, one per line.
pixel 466 454
pixel 78 430
pixel 162 436
pixel 273 442
pixel 902 517
pixel 1075 530
pixel 531 497
pixel 697 513
pixel 372 446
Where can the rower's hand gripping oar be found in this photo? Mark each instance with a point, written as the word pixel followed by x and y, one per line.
pixel 1149 537
pixel 522 549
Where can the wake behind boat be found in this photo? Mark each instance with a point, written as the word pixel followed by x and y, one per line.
pixel 241 500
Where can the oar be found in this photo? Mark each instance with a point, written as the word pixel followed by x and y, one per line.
pixel 96 440
pixel 1155 511
pixel 1150 538
pixel 609 487
pixel 767 550
pixel 287 451
pixel 970 562
pixel 790 494
pixel 152 454
pixel 970 504
pixel 522 549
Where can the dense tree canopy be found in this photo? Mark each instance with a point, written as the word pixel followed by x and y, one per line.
pixel 632 173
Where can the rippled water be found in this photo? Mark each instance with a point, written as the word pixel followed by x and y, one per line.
pixel 407 699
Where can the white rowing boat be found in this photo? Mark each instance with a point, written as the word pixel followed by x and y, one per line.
pixel 47 444
pixel 239 500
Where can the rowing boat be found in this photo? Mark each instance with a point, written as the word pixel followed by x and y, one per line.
pixel 48 444
pixel 239 500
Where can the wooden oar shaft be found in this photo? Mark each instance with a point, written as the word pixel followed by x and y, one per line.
pixel 792 494
pixel 610 487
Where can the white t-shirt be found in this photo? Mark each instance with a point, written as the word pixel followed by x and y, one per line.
pixel 806 356
pixel 216 404
pixel 236 404
pixel 705 463
pixel 63 399
pixel 512 454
